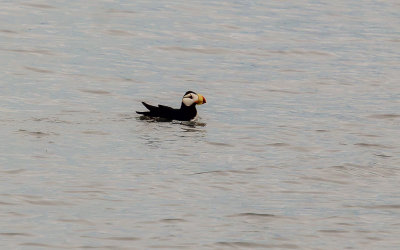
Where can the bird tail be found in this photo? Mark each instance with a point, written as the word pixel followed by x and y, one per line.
pixel 149 107
pixel 152 110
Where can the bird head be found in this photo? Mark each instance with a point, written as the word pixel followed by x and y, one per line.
pixel 191 98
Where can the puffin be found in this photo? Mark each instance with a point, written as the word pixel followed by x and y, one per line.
pixel 187 111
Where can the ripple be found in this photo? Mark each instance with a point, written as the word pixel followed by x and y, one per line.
pixel 16 171
pixel 332 231
pixel 225 172
pixel 95 132
pixel 252 215
pixel 38 134
pixel 219 144
pixel 38 70
pixel 283 91
pixel 119 33
pixel 32 51
pixel 366 170
pixel 211 51
pixel 383 155
pixel 37 5
pixel 385 116
pixel 85 192
pixel 116 238
pixel 2 203
pixel 48 202
pixel 302 52
pixel 51 120
pixel 386 206
pixel 172 220
pixel 8 31
pixel 80 221
pixel 34 244
pixel 371 145
pixel 16 234
pixel 96 91
pixel 242 244
pixel 122 238
pixel 113 11
pixel 279 144
pixel 324 180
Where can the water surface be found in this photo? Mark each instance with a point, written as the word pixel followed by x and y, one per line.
pixel 297 147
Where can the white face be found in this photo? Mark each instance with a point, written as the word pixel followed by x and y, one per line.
pixel 189 99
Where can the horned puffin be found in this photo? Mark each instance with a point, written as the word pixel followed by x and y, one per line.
pixel 187 111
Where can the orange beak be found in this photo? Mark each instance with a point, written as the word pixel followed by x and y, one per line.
pixel 201 100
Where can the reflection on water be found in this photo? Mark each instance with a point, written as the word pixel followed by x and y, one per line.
pixel 297 147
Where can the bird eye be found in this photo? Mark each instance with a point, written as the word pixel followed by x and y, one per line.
pixel 191 97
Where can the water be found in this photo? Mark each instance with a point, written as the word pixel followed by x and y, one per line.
pixel 297 147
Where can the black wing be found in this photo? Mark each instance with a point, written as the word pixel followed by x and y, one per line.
pixel 160 111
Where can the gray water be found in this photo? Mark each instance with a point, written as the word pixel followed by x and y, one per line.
pixel 297 147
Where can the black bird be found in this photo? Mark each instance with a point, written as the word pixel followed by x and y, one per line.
pixel 187 111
